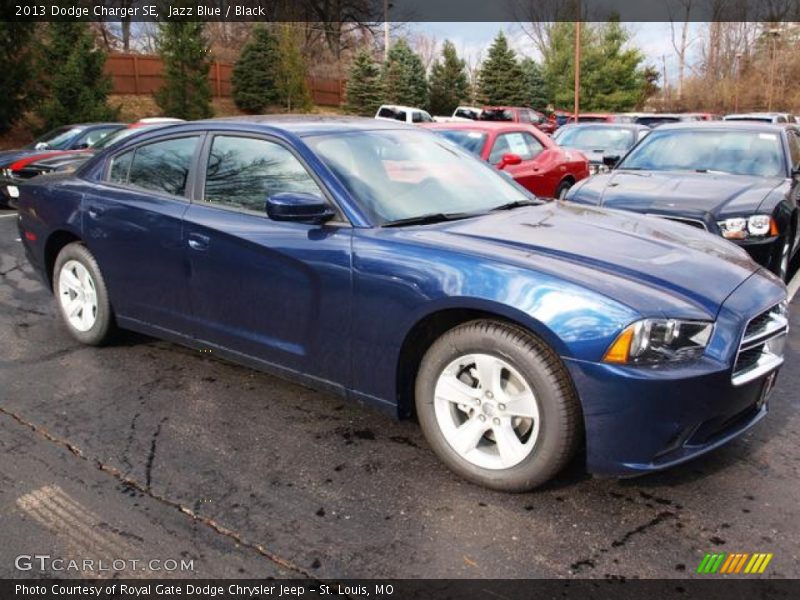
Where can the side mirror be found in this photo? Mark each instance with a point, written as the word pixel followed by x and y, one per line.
pixel 509 159
pixel 41 146
pixel 611 160
pixel 299 207
pixel 796 172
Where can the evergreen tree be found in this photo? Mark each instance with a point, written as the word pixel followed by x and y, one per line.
pixel 403 77
pixel 186 93
pixel 292 72
pixel 364 86
pixel 15 68
pixel 501 78
pixel 449 85
pixel 255 72
pixel 613 77
pixel 535 86
pixel 78 88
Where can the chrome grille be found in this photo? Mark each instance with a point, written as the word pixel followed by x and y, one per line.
pixel 762 345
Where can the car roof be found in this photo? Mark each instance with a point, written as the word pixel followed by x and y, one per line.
pixel 726 125
pixel 299 125
pixel 487 126
pixel 606 125
pixel 401 107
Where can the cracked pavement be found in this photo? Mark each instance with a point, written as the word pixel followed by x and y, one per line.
pixel 148 450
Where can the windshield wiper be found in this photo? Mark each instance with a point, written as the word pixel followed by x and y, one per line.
pixel 428 218
pixel 712 172
pixel 517 204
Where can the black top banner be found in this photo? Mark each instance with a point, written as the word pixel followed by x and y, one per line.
pixel 712 588
pixel 372 11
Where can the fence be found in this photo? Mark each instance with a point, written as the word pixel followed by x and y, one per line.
pixel 143 75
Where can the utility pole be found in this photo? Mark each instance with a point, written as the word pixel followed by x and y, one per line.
pixel 385 29
pixel 666 83
pixel 773 33
pixel 576 108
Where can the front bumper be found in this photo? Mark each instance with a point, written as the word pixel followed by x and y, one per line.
pixel 643 419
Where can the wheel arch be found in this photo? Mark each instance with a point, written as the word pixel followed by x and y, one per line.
pixel 54 244
pixel 432 325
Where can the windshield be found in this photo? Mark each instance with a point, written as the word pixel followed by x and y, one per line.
pixel 735 152
pixel 396 175
pixel 471 141
pixel 595 138
pixel 56 139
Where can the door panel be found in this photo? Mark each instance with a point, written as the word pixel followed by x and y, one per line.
pixel 137 240
pixel 134 226
pixel 277 291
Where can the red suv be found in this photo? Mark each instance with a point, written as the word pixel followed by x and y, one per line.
pixel 518 114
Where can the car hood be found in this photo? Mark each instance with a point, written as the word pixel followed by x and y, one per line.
pixel 59 160
pixel 679 192
pixel 649 264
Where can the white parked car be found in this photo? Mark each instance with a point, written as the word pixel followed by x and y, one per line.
pixel 407 114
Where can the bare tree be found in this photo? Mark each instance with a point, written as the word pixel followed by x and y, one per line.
pixel 680 43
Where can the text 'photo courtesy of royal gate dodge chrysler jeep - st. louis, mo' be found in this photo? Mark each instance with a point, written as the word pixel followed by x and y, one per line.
pixel 385 263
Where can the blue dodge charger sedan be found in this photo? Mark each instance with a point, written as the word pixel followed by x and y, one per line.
pixel 383 263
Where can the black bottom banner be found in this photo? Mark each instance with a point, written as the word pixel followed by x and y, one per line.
pixel 431 589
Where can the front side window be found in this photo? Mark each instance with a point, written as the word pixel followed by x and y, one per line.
pixel 243 172
pixel 519 143
pixel 159 166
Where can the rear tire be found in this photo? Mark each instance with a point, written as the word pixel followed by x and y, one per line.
pixel 82 296
pixel 562 189
pixel 497 406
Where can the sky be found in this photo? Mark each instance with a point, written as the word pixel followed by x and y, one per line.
pixel 654 39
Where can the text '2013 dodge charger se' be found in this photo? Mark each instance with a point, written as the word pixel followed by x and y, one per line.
pixel 386 264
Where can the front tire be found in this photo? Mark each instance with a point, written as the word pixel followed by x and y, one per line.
pixel 782 259
pixel 497 406
pixel 82 296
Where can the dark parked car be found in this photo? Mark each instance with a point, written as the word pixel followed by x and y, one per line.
pixel 381 262
pixel 70 160
pixel 518 114
pixel 70 137
pixel 738 180
pixel 602 143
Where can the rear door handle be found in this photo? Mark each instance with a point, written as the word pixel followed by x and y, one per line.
pixel 198 241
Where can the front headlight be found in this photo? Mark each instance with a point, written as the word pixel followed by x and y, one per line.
pixel 660 340
pixel 740 228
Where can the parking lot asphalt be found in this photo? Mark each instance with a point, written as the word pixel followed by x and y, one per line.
pixel 146 450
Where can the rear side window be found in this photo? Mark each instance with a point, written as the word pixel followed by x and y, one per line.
pixel 160 166
pixel 243 172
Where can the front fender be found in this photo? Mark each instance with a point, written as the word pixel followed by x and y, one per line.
pixel 396 286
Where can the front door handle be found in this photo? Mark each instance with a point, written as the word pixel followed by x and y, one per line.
pixel 198 241
pixel 95 212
